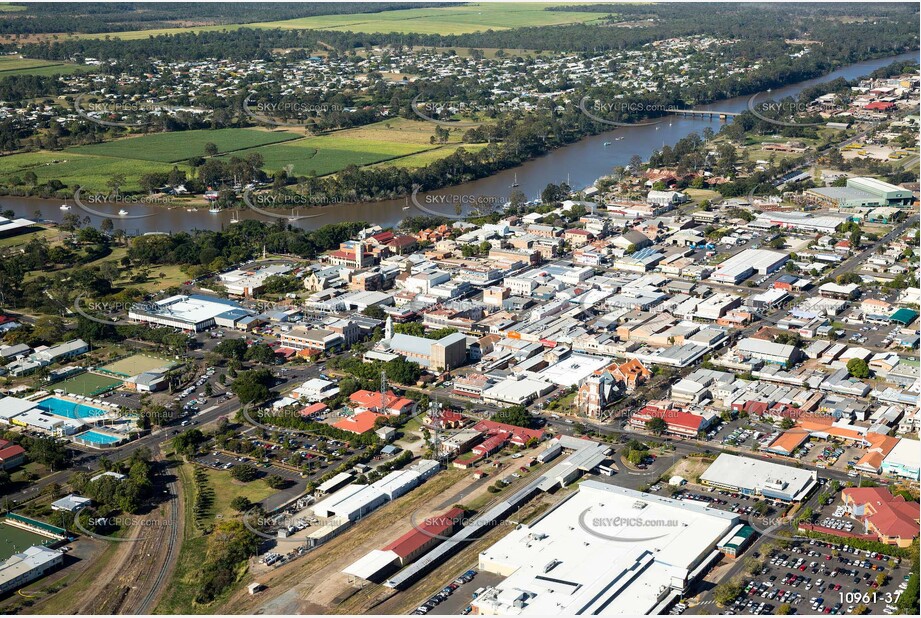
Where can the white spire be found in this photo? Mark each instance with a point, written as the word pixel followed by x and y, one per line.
pixel 388 328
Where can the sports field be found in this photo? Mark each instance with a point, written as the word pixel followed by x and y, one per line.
pixel 462 19
pixel 183 145
pixel 87 384
pixel 13 540
pixel 137 363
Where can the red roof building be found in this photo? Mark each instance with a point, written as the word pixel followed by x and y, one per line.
pixel 11 455
pixel 390 404
pixel 425 536
pixel 679 422
pixel 313 410
pixel 516 435
pixel 892 518
pixel 880 106
pixel 491 444
pixel 359 423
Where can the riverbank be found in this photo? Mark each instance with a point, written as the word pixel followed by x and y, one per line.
pixel 579 164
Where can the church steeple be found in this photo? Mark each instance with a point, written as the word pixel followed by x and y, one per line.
pixel 388 328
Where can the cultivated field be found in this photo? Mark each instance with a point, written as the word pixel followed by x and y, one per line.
pixel 136 364
pixel 183 145
pixel 442 20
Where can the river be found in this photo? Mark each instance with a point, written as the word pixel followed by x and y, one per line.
pixel 579 164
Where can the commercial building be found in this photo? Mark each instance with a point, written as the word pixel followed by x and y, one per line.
pixel 11 227
pixel 754 477
pixel 605 550
pixel 27 566
pixel 192 313
pixel 893 519
pixel 312 340
pixel 744 264
pixel 517 390
pixel 243 282
pixel 443 354
pixel 904 460
pixel 768 351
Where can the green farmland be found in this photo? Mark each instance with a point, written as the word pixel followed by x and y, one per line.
pixel 441 20
pixel 182 146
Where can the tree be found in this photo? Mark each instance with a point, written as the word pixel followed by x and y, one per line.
pixel 857 367
pixel 787 423
pixel 784 609
pixel 276 482
pixel 232 348
pixel 210 149
pixel 241 504
pixel 375 312
pixel 244 472
pixel 252 386
pixel 657 426
pixel 727 593
pixel 261 353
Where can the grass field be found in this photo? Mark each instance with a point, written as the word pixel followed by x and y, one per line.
pixel 390 140
pixel 13 65
pixel 462 19
pixel 430 156
pixel 87 384
pixel 181 146
pixel 137 363
pixel 13 539
pixel 73 169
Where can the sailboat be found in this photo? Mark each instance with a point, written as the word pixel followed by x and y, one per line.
pixel 214 210
pixel 122 212
pixel 406 204
pixel 234 219
pixel 606 144
pixel 617 139
pixel 65 207
pixel 515 181
pixel 293 216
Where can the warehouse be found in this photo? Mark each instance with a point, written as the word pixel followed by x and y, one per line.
pixel 862 192
pixel 608 563
pixel 517 390
pixel 753 477
pixel 744 264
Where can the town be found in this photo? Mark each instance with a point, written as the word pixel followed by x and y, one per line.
pixel 689 387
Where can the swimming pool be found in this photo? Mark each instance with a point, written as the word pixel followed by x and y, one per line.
pixel 94 437
pixel 69 409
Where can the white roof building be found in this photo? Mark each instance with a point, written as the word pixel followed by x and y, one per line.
pixel 591 555
pixel 760 478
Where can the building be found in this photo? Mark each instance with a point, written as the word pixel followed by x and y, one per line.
pixel 903 460
pixel 390 403
pixel 11 227
pixel 678 422
pixel 753 477
pixel 11 455
pixel 27 566
pixel 192 313
pixel 250 282
pixel 860 193
pixel 768 351
pixel 360 423
pixel 312 340
pixel 893 519
pixel 737 540
pixel 443 354
pixel 592 555
pixel 744 264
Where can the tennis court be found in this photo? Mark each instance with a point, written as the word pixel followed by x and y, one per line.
pixel 88 384
pixel 136 364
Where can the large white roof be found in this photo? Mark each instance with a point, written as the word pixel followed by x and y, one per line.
pixel 606 550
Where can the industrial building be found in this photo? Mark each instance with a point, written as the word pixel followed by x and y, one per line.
pixel 744 264
pixel 753 477
pixel 591 555
pixel 861 192
pixel 768 351
pixel 353 502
